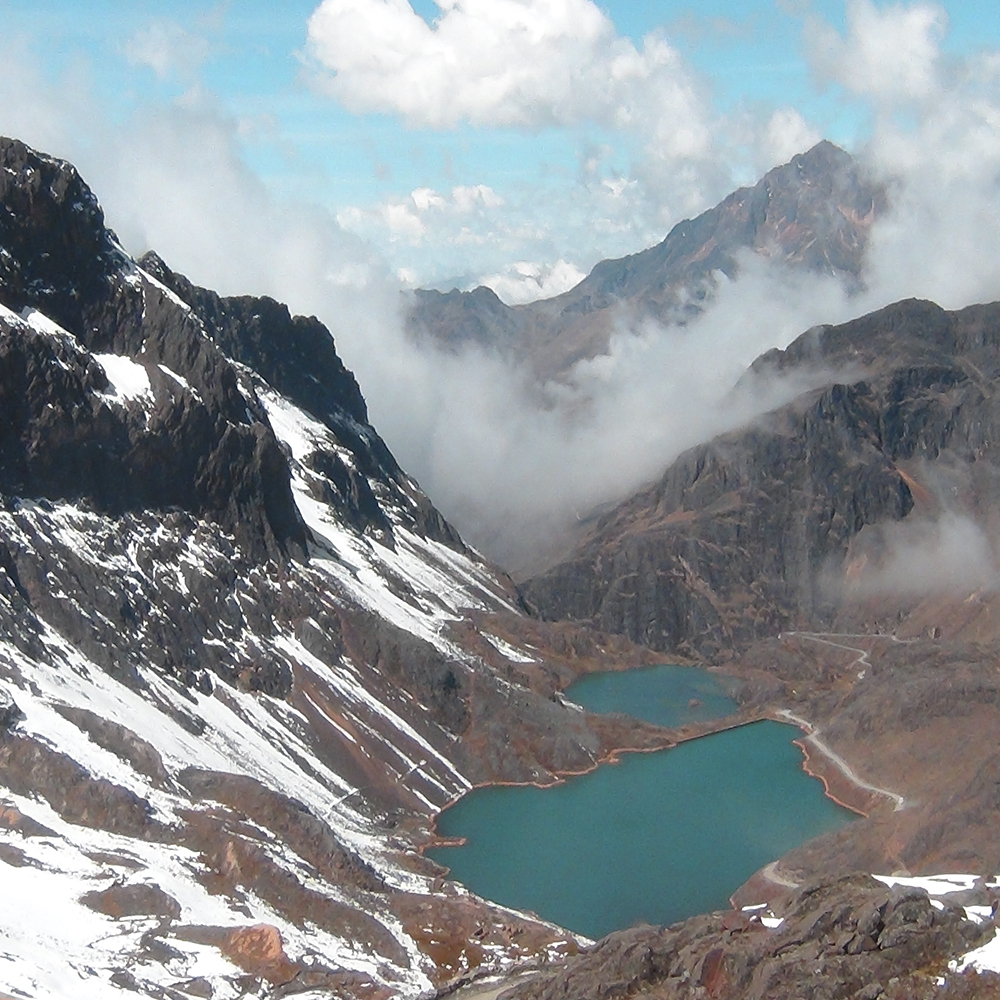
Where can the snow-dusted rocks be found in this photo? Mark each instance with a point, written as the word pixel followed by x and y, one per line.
pixel 10 714
pixel 847 937
pixel 240 664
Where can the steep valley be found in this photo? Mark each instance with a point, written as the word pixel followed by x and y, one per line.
pixel 244 661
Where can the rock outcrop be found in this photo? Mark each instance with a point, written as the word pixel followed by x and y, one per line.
pixel 846 938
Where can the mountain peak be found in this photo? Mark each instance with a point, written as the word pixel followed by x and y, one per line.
pixel 813 212
pixel 824 150
pixel 52 225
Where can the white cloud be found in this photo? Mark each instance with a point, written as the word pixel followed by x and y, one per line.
pixel 513 465
pixel 425 198
pixel 942 238
pixel 465 215
pixel 920 556
pixel 167 49
pixel 530 63
pixel 402 220
pixel 468 198
pixel 888 55
pixel 43 113
pixel 525 281
pixel 786 134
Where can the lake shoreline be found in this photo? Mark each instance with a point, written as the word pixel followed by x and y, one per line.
pixel 839 779
pixel 840 784
pixel 671 738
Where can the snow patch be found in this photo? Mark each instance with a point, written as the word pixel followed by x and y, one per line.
pixel 129 380
pixel 512 653
pixel 180 380
pixel 935 885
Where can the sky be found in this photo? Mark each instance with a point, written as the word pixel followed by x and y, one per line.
pixel 464 139
pixel 335 153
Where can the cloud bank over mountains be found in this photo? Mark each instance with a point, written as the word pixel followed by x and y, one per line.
pixel 525 65
pixel 509 461
pixel 889 56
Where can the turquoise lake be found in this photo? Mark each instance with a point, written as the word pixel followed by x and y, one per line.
pixel 654 838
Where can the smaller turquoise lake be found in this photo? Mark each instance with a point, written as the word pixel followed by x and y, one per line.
pixel 666 696
pixel 655 838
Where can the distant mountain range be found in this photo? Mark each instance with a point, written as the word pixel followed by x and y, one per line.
pixel 814 213
pixel 773 526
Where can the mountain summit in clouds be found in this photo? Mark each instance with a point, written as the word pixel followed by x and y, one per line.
pixel 813 213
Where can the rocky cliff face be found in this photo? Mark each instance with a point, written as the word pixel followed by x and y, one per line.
pixel 845 938
pixel 813 212
pixel 756 532
pixel 243 660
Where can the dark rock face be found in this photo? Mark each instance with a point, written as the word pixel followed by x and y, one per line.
pixel 51 228
pixel 63 439
pixel 213 452
pixel 209 701
pixel 814 213
pixel 741 537
pixel 847 938
pixel 296 356
pixel 455 318
pixel 10 714
pixel 31 768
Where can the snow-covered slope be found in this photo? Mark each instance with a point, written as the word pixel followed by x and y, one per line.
pixel 240 664
pixel 171 807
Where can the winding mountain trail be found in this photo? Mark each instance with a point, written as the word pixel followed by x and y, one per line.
pixel 825 639
pixel 771 873
pixel 812 736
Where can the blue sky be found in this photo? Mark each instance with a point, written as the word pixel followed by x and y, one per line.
pixel 499 185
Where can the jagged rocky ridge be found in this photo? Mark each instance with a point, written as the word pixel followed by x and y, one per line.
pixel 851 937
pixel 243 660
pixel 812 213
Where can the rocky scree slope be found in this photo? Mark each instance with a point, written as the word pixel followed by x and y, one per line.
pixel 812 213
pixel 243 660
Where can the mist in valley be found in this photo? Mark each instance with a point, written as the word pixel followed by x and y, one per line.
pixel 517 466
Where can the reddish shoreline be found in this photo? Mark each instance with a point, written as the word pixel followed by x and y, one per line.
pixel 837 785
pixel 672 737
